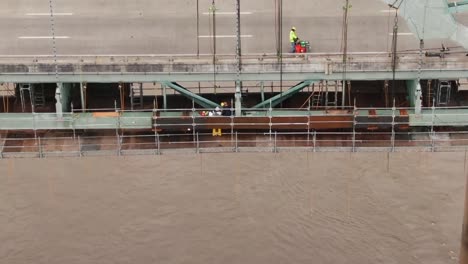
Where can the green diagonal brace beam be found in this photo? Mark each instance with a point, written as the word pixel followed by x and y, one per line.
pixel 275 100
pixel 459 6
pixel 196 98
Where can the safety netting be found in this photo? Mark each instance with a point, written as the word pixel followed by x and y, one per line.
pixel 431 19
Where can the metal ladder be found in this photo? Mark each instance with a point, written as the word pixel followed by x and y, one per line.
pixel 335 84
pixel 443 93
pixel 38 96
pixel 5 93
pixel 317 95
pixel 136 95
pixel 430 94
pixel 22 88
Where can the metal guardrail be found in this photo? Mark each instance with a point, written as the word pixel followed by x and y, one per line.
pixel 274 141
pixel 173 57
pixel 79 146
pixel 141 119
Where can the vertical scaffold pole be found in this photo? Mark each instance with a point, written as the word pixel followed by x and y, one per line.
pixel 158 142
pixel 270 116
pixel 164 96
pixel 432 127
pixel 308 125
pixel 213 11
pixel 119 145
pixel 393 125
pixel 262 91
pixel 79 147
pixel 354 126
pixel 194 124
pixel 232 123
pixel 315 141
pixel 34 124
pixel 275 147
pixel 83 104
pixel 345 50
pixel 198 143
pixel 238 94
pixel 198 30
pixel 464 237
pixel 39 147
pixel 237 143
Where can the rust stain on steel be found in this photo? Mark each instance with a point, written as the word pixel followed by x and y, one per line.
pixel 291 123
pixel 105 114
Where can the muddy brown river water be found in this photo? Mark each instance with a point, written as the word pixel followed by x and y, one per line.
pixel 257 208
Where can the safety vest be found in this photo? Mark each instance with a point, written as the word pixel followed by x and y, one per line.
pixel 292 36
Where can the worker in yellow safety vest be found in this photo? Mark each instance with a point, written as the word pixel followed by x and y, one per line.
pixel 293 39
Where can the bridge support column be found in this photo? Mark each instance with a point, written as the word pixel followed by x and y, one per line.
pixel 262 91
pixel 83 96
pixel 58 99
pixel 164 96
pixel 238 97
pixel 63 98
pixel 415 95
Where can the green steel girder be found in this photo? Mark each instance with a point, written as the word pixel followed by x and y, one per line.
pixel 459 6
pixel 143 120
pixel 277 99
pixel 196 98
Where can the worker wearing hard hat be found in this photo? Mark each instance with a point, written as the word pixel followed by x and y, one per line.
pixel 293 39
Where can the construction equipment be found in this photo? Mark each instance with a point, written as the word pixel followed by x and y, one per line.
pixel 302 46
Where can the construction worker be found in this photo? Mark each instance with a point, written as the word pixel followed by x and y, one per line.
pixel 218 111
pixel 225 109
pixel 293 39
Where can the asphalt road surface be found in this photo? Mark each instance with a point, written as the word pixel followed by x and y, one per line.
pixel 170 27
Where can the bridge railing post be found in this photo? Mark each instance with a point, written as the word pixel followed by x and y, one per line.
pixel 275 147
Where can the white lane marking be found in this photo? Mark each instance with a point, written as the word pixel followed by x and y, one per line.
pixel 43 37
pixel 48 14
pixel 228 13
pixel 225 36
pixel 402 34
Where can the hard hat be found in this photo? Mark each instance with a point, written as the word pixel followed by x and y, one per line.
pixel 293 28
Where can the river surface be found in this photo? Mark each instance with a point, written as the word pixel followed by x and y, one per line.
pixel 233 208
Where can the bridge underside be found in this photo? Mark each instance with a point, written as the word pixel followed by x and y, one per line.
pixel 305 92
